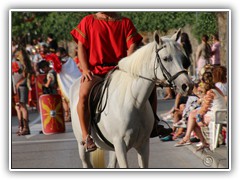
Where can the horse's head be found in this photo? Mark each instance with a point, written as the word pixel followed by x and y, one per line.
pixel 168 63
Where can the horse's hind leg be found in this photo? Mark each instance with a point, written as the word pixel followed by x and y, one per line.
pixel 84 156
pixel 143 155
pixel 121 152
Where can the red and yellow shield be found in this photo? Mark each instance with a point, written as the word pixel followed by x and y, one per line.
pixel 51 111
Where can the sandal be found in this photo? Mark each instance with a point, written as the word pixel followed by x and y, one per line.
pixel 182 143
pixel 89 144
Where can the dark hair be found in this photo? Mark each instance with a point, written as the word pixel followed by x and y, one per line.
pixel 220 74
pixel 25 60
pixel 62 51
pixel 205 38
pixel 186 44
pixel 50 35
pixel 42 64
pixel 216 36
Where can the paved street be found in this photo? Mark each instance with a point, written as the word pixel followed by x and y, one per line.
pixel 39 151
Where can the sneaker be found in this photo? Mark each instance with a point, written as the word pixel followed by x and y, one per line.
pixel 167 138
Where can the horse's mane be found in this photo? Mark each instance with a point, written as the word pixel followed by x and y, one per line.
pixel 140 58
pixel 131 66
pixel 134 63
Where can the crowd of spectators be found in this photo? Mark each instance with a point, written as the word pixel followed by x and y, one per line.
pixel 195 111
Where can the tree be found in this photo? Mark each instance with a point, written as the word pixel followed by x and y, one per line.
pixel 32 24
pixel 206 23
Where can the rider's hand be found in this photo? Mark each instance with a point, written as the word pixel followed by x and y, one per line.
pixel 86 75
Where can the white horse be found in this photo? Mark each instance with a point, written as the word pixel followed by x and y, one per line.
pixel 127 120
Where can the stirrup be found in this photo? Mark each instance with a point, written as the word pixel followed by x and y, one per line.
pixel 89 144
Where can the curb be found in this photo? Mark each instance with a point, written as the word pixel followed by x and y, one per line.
pixel 210 159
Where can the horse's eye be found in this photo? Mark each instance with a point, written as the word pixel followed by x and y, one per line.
pixel 165 58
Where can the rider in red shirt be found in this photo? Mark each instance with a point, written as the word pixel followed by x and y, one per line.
pixel 103 39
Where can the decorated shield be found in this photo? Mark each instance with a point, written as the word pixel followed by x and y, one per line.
pixel 38 86
pixel 51 111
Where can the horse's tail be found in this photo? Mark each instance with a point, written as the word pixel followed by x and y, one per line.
pixel 98 159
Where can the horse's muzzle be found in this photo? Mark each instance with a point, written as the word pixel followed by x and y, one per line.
pixel 187 88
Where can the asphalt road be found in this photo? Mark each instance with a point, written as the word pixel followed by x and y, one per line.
pixel 59 151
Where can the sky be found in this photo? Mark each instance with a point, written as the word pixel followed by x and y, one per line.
pixel 6 5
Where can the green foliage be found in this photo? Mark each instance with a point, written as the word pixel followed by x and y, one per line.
pixel 39 24
pixel 61 23
pixel 163 21
pixel 206 23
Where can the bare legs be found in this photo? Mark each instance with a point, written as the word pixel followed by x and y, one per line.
pixel 22 114
pixel 192 126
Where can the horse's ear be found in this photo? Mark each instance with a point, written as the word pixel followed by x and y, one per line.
pixel 157 38
pixel 176 36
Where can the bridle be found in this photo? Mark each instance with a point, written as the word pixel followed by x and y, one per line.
pixel 168 77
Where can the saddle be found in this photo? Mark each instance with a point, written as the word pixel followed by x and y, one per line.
pixel 95 99
pixel 97 104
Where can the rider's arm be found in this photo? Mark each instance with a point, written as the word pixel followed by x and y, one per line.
pixel 132 48
pixel 83 59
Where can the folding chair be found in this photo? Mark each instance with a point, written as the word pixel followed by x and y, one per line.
pixel 215 127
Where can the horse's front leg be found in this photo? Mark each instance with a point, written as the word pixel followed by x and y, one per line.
pixel 121 152
pixel 84 156
pixel 112 160
pixel 143 155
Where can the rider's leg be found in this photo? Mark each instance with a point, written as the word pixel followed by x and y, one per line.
pixel 83 111
pixel 153 99
pixel 157 129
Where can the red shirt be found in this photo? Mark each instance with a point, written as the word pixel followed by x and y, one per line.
pixel 106 42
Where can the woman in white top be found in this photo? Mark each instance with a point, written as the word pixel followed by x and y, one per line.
pixel 212 101
pixel 220 79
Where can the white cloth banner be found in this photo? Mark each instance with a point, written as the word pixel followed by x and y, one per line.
pixel 67 76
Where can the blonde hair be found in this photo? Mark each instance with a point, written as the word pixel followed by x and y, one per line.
pixel 207 81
